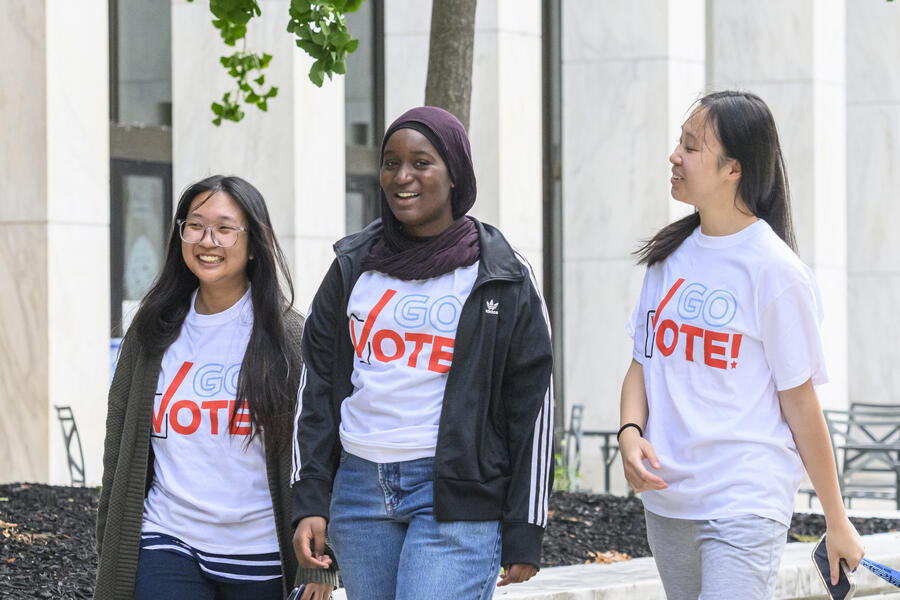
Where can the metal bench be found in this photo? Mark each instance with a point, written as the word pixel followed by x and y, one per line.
pixel 70 435
pixel 574 439
pixel 866 443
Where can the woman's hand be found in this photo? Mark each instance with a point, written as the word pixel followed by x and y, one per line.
pixel 634 449
pixel 516 573
pixel 311 532
pixel 842 542
pixel 803 414
pixel 317 591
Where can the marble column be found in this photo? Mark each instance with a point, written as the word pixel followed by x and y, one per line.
pixel 873 153
pixel 294 153
pixel 797 65
pixel 630 73
pixel 505 115
pixel 506 123
pixel 54 249
pixel 407 24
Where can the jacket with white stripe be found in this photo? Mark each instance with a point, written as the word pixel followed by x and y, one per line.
pixel 494 454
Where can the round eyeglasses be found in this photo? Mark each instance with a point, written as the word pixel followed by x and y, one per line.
pixel 223 236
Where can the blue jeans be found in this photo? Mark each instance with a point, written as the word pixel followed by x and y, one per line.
pixel 174 576
pixel 389 546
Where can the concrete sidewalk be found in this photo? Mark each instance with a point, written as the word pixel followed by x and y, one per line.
pixel 638 580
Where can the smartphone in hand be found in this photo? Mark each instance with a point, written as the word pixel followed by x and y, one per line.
pixel 296 593
pixel 845 587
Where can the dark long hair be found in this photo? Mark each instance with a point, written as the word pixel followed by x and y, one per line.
pixel 270 361
pixel 746 130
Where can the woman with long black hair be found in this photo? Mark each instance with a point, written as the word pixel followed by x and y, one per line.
pixel 195 502
pixel 425 419
pixel 719 414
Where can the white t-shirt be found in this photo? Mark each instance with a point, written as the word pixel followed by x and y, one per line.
pixel 738 320
pixel 209 489
pixel 403 333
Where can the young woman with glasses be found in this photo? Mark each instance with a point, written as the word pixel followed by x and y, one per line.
pixel 195 500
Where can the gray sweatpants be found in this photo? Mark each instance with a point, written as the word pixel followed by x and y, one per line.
pixel 720 559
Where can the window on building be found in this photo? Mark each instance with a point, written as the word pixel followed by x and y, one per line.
pixel 140 105
pixel 364 110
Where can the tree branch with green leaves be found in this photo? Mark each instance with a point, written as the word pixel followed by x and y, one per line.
pixel 321 31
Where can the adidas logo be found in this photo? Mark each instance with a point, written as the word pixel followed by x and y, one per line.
pixel 490 307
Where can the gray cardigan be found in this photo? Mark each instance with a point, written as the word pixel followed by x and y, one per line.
pixel 127 474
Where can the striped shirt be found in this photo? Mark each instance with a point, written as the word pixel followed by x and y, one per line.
pixel 220 567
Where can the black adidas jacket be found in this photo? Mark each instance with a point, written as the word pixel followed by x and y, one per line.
pixel 494 455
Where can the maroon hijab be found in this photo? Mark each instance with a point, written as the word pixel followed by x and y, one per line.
pixel 403 256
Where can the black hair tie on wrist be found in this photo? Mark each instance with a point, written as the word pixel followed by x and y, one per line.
pixel 626 426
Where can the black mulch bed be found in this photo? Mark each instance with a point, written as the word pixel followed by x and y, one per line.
pixel 586 528
pixel 47 541
pixel 47 536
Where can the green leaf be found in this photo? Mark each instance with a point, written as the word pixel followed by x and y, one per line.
pixel 217 109
pixel 316 76
pixel 264 62
pixel 217 8
pixel 239 16
pixel 339 67
pixel 263 106
pixel 339 39
pixel 312 49
pixel 260 80
pixel 251 98
pixel 272 92
pixel 217 121
pixel 351 46
pixel 234 33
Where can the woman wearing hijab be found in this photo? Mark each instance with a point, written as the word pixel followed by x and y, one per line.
pixel 425 418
